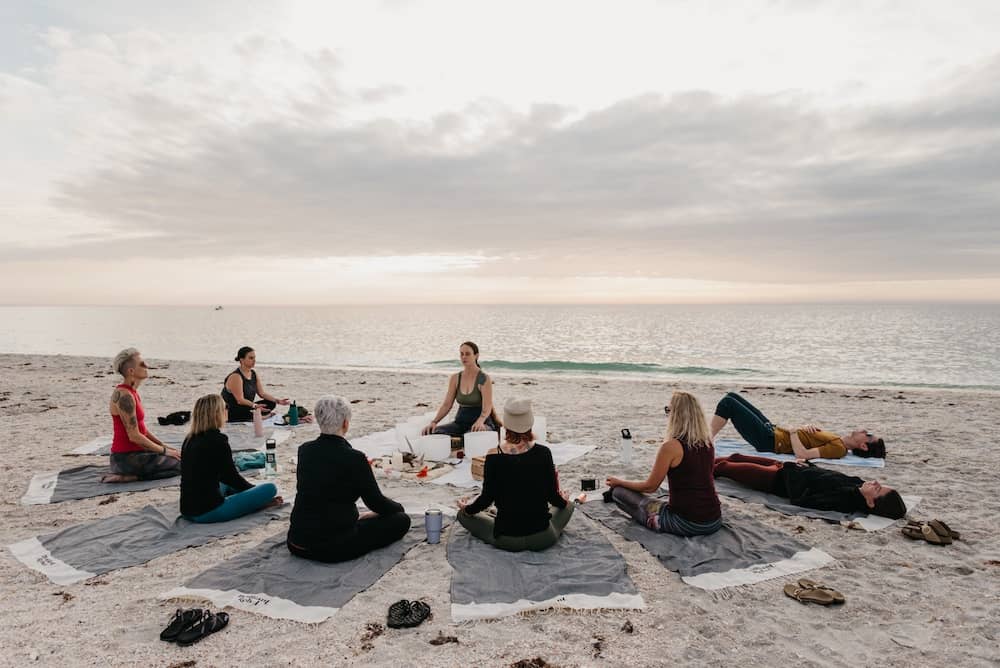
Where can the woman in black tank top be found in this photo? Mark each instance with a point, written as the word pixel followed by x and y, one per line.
pixel 243 385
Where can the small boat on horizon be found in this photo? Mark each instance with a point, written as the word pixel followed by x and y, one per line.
pixel 218 308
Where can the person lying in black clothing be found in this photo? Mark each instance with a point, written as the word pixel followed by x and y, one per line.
pixel 810 486
pixel 331 476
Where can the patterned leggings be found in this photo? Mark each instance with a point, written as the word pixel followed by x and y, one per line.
pixel 145 465
pixel 653 512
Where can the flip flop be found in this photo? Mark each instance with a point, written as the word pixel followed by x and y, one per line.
pixel 181 620
pixel 808 594
pixel 942 529
pixel 405 614
pixel 933 537
pixel 806 583
pixel 207 625
pixel 913 532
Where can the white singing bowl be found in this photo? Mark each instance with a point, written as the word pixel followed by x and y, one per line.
pixel 436 447
pixel 477 443
pixel 540 429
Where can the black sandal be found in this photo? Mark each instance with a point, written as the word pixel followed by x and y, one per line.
pixel 208 624
pixel 181 620
pixel 407 614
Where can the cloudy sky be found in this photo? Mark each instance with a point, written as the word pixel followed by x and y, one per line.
pixel 253 152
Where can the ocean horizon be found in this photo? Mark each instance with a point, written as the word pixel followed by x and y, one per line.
pixel 878 345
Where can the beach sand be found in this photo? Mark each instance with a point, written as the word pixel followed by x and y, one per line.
pixel 908 603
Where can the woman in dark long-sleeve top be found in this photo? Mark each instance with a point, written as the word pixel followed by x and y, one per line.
pixel 331 477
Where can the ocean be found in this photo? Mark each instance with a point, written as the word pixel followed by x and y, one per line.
pixel 941 346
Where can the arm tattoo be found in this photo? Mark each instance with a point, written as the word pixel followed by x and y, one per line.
pixel 126 405
pixel 115 396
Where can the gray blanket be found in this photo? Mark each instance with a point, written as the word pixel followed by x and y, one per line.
pixel 84 482
pixel 743 551
pixel 268 580
pixel 85 550
pixel 582 571
pixel 240 435
pixel 731 488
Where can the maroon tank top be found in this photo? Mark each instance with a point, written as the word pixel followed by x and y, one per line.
pixel 692 485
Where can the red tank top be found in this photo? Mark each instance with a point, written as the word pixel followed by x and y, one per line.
pixel 692 485
pixel 121 442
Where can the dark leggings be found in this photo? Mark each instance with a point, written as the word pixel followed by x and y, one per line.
pixel 748 421
pixel 754 472
pixel 370 534
pixel 240 413
pixel 464 419
pixel 145 465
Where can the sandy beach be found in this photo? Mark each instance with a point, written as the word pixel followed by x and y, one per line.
pixel 908 603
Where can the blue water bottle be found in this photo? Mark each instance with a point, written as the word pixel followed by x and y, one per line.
pixel 293 415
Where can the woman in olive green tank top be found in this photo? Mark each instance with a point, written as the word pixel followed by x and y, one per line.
pixel 473 390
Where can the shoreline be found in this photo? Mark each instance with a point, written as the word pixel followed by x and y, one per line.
pixel 570 375
pixel 908 603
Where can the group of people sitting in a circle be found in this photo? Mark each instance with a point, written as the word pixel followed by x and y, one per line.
pixel 520 478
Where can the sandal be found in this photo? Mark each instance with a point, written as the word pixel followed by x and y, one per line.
pixel 913 532
pixel 808 594
pixel 838 598
pixel 207 625
pixel 942 529
pixel 181 620
pixel 933 537
pixel 407 614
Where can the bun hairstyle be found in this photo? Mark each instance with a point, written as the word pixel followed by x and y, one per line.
pixel 243 352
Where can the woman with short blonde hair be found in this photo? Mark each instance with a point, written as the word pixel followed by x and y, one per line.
pixel 136 454
pixel 212 490
pixel 686 458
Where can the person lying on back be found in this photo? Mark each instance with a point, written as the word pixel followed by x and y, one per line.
pixel 811 486
pixel 808 442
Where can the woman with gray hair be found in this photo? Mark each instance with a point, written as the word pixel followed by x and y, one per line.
pixel 330 477
pixel 136 454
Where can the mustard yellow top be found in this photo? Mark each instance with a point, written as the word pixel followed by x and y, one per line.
pixel 829 445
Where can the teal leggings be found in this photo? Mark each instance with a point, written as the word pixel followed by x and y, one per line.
pixel 481 526
pixel 239 504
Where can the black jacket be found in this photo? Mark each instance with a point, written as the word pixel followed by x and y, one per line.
pixel 331 476
pixel 814 487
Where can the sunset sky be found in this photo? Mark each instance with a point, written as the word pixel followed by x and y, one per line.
pixel 259 152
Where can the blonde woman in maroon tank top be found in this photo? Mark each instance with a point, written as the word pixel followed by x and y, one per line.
pixel 686 459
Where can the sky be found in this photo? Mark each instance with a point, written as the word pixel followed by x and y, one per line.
pixel 260 152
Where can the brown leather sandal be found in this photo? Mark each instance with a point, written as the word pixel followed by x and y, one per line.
pixel 806 583
pixel 942 529
pixel 808 594
pixel 933 537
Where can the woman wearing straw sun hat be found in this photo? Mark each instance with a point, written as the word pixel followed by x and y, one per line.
pixel 520 479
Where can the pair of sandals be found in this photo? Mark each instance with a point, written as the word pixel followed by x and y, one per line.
pixel 187 627
pixel 407 614
pixel 810 591
pixel 934 532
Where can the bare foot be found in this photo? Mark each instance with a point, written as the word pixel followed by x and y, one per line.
pixel 114 477
pixel 275 502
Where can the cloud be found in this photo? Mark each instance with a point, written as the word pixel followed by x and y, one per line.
pixel 271 143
